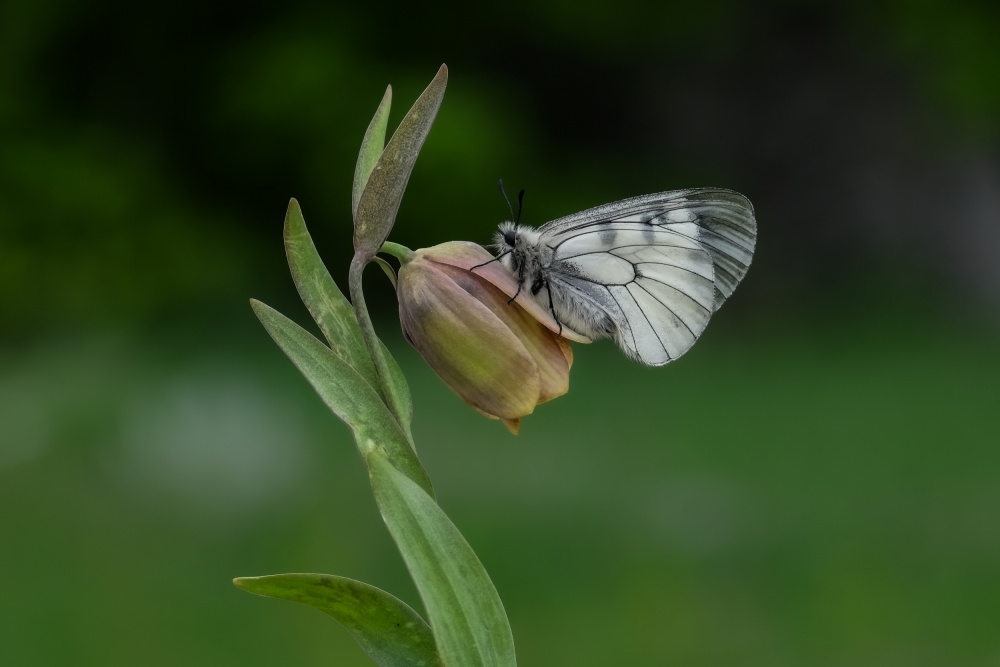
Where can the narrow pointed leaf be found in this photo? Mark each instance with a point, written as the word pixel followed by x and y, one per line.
pixel 464 610
pixel 380 199
pixel 371 148
pixel 386 269
pixel 346 393
pixel 326 303
pixel 391 382
pixel 399 393
pixel 389 631
pixel 335 316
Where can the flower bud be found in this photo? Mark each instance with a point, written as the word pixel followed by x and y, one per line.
pixel 501 358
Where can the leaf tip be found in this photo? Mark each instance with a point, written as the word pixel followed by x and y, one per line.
pixel 258 307
pixel 252 585
pixel 293 212
pixel 293 221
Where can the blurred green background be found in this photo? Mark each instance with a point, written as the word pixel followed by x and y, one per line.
pixel 816 483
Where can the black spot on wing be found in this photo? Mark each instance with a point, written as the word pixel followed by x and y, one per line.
pixel 607 233
pixel 727 230
pixel 721 223
pixel 649 234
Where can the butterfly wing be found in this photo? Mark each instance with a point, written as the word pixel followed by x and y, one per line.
pixel 658 266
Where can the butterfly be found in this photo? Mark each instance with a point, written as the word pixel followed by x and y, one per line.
pixel 648 272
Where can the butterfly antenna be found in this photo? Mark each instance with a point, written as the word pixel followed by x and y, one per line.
pixel 504 193
pixel 520 205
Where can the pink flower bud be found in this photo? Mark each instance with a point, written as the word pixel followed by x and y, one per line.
pixel 502 359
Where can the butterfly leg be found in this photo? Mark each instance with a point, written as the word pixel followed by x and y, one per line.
pixel 519 286
pixel 489 262
pixel 552 305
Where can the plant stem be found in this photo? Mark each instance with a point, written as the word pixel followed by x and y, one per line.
pixel 371 340
pixel 400 252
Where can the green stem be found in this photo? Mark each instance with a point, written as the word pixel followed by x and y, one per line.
pixel 371 339
pixel 400 252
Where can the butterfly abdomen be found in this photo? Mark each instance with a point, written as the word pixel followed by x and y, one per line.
pixel 581 306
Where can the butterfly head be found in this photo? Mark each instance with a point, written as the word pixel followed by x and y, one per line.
pixel 505 240
pixel 506 236
pixel 515 244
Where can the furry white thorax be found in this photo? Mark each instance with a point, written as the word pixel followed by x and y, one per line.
pixel 529 260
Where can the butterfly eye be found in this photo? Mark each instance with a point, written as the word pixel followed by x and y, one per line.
pixel 510 238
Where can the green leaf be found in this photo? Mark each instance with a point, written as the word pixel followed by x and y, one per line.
pixel 335 316
pixel 389 631
pixel 346 393
pixel 386 269
pixel 327 304
pixel 399 393
pixel 464 610
pixel 371 148
pixel 380 199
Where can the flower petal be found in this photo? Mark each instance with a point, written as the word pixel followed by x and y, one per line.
pixel 547 349
pixel 466 344
pixel 513 425
pixel 470 256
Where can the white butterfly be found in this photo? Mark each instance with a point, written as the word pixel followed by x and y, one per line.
pixel 647 271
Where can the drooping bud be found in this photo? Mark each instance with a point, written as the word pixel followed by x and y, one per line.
pixel 501 358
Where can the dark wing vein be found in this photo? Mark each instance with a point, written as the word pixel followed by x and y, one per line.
pixel 646 317
pixel 635 345
pixel 670 310
pixel 657 230
pixel 679 291
pixel 723 220
pixel 631 245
